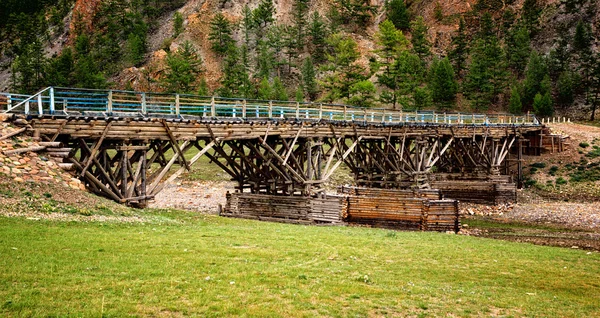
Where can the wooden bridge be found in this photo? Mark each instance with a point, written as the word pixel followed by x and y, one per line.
pixel 127 145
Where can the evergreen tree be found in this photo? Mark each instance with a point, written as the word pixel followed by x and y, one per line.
pixel 582 41
pixel 220 34
pixel 299 94
pixel 397 12
pixel 565 89
pixel 531 15
pixel 299 12
pixel 487 73
pixel 535 74
pixel 265 60
pixel 318 36
pixel 264 90
pixel 342 69
pixel 247 24
pixel 443 84
pixel 86 71
pixel 421 98
pixel 177 24
pixel 279 92
pixel 235 81
pixel 136 48
pixel 409 75
pixel 183 68
pixel 419 40
pixel 60 69
pixel 593 89
pixel 518 49
pixel 263 14
pixel 203 89
pixel 514 105
pixel 357 12
pixel 542 105
pixel 309 82
pixel 391 41
pixel 459 48
pixel 363 94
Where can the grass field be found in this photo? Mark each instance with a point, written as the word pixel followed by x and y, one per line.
pixel 210 266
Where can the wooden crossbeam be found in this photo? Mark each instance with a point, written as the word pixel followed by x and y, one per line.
pixel 94 151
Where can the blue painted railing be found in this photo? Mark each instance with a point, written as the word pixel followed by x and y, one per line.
pixel 58 100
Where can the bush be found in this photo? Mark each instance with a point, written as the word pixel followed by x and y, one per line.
pixel 561 180
pixel 539 165
pixel 553 170
pixel 530 183
pixel 584 144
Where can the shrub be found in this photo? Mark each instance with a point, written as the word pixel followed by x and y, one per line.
pixel 584 144
pixel 561 180
pixel 539 165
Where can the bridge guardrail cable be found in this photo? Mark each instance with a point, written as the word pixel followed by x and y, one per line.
pixel 110 102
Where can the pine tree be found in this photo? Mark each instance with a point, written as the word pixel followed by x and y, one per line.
pixel 235 80
pixel 390 41
pixel 357 12
pixel 299 94
pixel 443 84
pixel 564 89
pixel 363 94
pixel 593 90
pixel 309 81
pixel 342 69
pixel 264 90
pixel 183 68
pixel 542 105
pixel 203 89
pixel 136 49
pixel 279 92
pixel 459 48
pixel 518 49
pixel 410 74
pixel 515 106
pixel 60 69
pixel 318 35
pixel 247 24
pixel 177 24
pixel 398 13
pixel 536 72
pixel 299 12
pixel 263 14
pixel 220 34
pixel 421 98
pixel 531 15
pixel 419 40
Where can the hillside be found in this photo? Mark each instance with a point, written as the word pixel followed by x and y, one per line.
pixel 320 50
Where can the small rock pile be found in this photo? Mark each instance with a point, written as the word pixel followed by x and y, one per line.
pixel 485 210
pixel 31 166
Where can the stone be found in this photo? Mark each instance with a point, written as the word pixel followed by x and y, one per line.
pixel 17 179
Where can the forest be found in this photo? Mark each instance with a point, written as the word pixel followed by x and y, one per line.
pixel 491 64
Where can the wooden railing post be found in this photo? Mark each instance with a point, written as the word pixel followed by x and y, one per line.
pixel 177 105
pixel 109 104
pixel 8 102
pixel 213 110
pixel 383 116
pixel 297 110
pixel 270 109
pixel 65 106
pixel 52 101
pixel 345 112
pixel 27 107
pixel 244 108
pixel 144 107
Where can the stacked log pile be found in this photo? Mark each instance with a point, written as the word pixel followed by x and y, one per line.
pixel 288 209
pixel 476 191
pixel 380 208
pixel 433 194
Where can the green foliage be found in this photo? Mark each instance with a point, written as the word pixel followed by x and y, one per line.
pixel 487 73
pixel 59 71
pixel 542 105
pixel 279 92
pixel 442 83
pixel 177 24
pixel 419 40
pixel 438 13
pixel 183 68
pixel 584 144
pixel 536 79
pixel 220 35
pixel 318 37
pixel 515 106
pixel 264 90
pixel 459 48
pixel 300 19
pixel 354 12
pixel 397 12
pixel 87 72
pixel 565 89
pixel 136 49
pixel 518 49
pixel 342 71
pixel 203 89
pixel 582 41
pixel 561 181
pixel 531 14
pixel 235 81
pixel 539 165
pixel 421 98
pixel 391 42
pixel 363 94
pixel 309 81
pixel 263 14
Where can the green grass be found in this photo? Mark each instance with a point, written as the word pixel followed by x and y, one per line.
pixel 212 266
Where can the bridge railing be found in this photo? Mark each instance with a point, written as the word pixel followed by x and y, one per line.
pixel 53 100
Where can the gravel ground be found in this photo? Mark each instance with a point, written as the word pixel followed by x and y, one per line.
pixel 204 196
pixel 571 215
